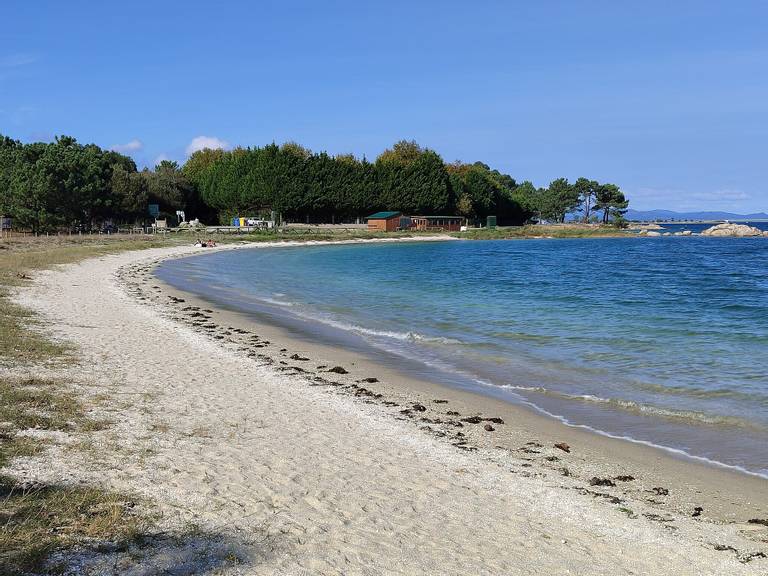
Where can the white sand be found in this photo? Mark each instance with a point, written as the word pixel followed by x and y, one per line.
pixel 311 482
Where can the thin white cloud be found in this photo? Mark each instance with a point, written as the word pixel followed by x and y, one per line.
pixel 161 158
pixel 684 200
pixel 726 195
pixel 133 146
pixel 203 142
pixel 16 60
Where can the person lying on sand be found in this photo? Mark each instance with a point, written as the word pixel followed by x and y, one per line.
pixel 205 243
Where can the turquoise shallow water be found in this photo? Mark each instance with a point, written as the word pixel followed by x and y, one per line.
pixel 662 340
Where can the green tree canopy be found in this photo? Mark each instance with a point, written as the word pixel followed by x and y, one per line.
pixel 557 200
pixel 610 200
pixel 586 189
pixel 45 186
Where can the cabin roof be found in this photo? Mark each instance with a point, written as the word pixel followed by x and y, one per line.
pixel 382 215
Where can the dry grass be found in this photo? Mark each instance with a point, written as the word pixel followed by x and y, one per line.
pixel 38 520
pixel 20 341
pixel 41 404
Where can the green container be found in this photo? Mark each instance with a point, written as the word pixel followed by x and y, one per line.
pixel 491 222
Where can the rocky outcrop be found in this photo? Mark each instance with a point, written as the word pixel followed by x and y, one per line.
pixel 651 226
pixel 731 229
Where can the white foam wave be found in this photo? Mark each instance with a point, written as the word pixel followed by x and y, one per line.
pixel 629 405
pixel 402 336
pixel 676 451
pixel 276 302
pixel 393 335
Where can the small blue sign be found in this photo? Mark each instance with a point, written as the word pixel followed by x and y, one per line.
pixel 154 210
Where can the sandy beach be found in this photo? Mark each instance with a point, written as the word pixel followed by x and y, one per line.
pixel 244 433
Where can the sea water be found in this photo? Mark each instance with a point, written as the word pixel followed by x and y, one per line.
pixel 658 340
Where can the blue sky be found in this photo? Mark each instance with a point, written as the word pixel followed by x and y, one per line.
pixel 667 99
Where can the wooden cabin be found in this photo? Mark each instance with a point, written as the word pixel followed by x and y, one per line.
pixel 437 223
pixel 384 222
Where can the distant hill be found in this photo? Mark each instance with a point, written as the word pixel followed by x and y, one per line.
pixel 647 215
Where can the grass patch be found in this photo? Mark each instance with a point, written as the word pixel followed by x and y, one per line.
pixel 41 404
pixel 20 343
pixel 12 446
pixel 39 520
pixel 35 522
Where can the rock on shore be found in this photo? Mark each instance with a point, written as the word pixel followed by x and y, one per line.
pixel 731 229
pixel 646 227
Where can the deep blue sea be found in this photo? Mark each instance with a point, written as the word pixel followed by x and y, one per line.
pixel 661 340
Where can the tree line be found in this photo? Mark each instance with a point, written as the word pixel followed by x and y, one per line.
pixel 67 185
pixel 593 200
pixel 63 184
pixel 304 186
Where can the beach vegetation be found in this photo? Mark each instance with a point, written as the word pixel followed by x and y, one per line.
pixel 619 221
pixel 38 519
pixel 65 186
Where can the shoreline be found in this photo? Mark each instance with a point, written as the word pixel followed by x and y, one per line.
pixel 220 427
pixel 297 331
pixel 626 455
